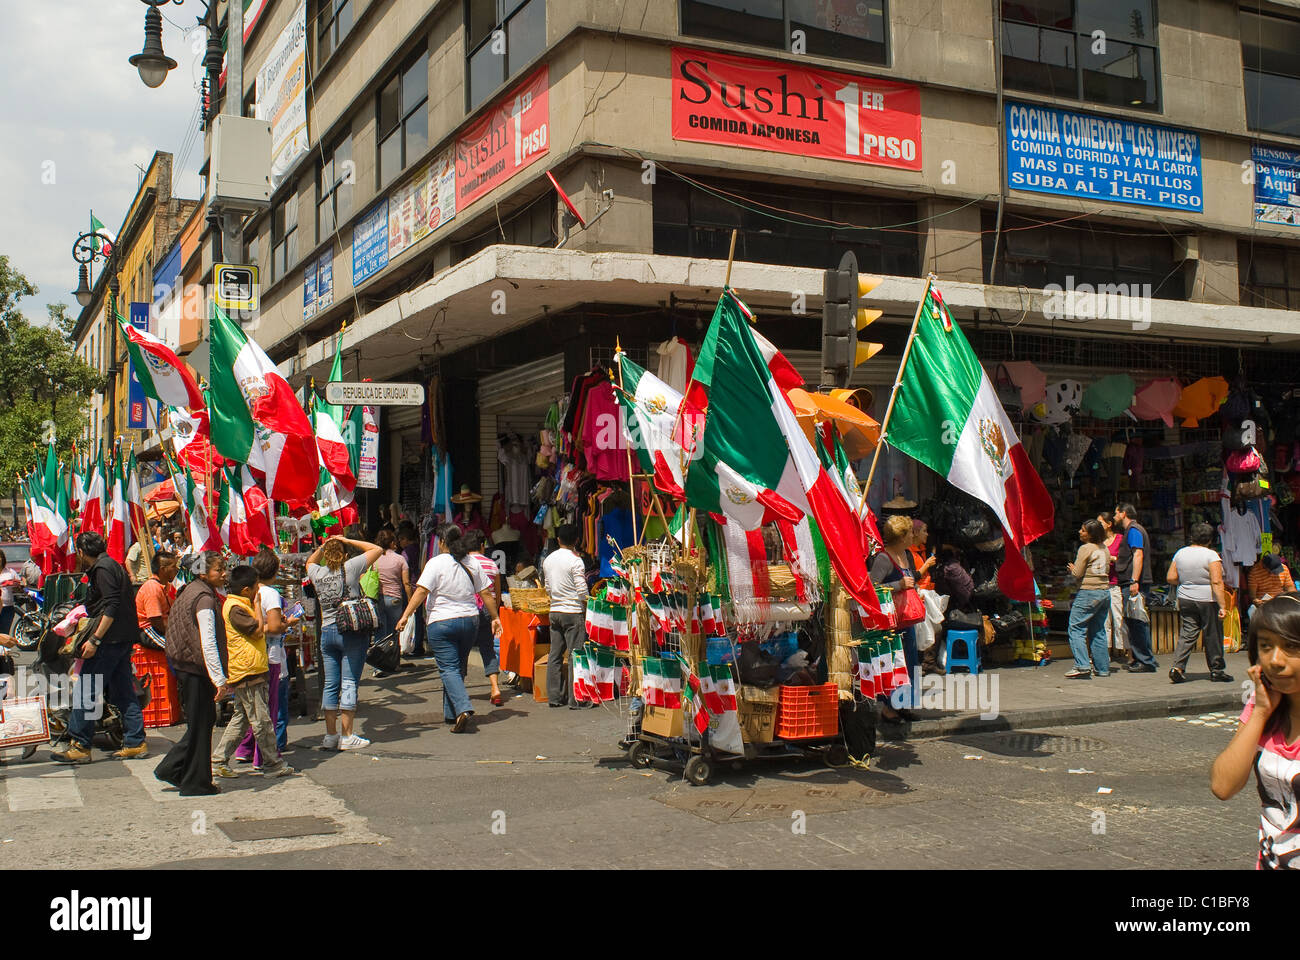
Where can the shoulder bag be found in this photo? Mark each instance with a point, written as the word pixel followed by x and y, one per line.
pixel 356 614
pixel 909 608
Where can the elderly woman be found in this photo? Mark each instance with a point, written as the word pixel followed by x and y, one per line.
pixel 892 567
pixel 343 653
pixel 453 584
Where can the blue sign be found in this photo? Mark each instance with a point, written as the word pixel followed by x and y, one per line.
pixel 1277 185
pixel 135 398
pixel 370 243
pixel 318 285
pixel 309 291
pixel 1102 158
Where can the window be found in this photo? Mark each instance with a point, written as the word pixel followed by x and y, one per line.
pixel 1035 256
pixel 1270 57
pixel 403 118
pixel 847 31
pixel 334 179
pixel 333 21
pixel 284 237
pixel 1269 276
pixel 1101 51
pixel 691 222
pixel 253 247
pixel 533 226
pixel 494 57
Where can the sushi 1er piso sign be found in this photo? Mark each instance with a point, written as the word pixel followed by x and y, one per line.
pixel 1102 158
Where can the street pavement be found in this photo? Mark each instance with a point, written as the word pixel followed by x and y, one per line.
pixel 537 787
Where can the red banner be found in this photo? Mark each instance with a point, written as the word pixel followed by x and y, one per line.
pixel 510 136
pixel 764 105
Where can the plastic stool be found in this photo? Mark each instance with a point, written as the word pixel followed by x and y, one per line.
pixel 972 659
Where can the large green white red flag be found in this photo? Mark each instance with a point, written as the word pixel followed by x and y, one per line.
pixel 134 500
pixel 162 373
pixel 192 440
pixel 328 421
pixel 119 515
pixel 653 425
pixel 93 507
pixel 770 467
pixel 203 532
pixel 947 415
pixel 255 417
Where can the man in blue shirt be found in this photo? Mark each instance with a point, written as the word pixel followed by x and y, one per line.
pixel 1133 571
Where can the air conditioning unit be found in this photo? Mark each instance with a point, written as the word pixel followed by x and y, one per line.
pixel 240 178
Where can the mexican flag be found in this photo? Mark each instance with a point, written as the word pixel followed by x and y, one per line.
pixel 756 464
pixel 603 674
pixel 257 509
pixel 99 246
pixel 242 513
pixel 203 534
pixel 836 462
pixel 866 672
pixel 661 682
pixel 580 673
pixel 255 417
pixel 77 498
pixel 327 418
pixel 651 425
pixel 162 373
pixel 192 440
pixel 119 515
pixel 134 501
pixel 947 416
pixel 93 506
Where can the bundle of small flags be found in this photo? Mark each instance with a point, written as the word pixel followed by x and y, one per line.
pixel 596 675
pixel 886 597
pixel 607 624
pixel 713 692
pixel 882 668
pixel 661 682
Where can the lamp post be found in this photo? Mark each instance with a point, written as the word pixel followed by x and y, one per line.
pixel 86 249
pixel 154 65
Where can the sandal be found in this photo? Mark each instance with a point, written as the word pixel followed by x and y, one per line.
pixel 498 700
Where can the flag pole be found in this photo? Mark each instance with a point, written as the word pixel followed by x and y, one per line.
pixel 893 394
pixel 631 482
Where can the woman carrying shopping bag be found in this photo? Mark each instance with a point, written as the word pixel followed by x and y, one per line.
pixel 1091 604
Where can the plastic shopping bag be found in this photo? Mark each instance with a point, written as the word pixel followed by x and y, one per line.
pixel 936 605
pixel 406 639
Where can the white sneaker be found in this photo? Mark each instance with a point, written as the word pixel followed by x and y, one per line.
pixel 353 742
pixel 330 742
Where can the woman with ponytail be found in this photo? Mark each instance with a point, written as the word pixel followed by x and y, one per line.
pixel 450 583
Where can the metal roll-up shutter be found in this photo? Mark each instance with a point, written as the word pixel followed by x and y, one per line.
pixel 531 385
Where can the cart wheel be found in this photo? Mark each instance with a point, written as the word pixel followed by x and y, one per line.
pixel 737 765
pixel 699 771
pixel 640 755
pixel 836 755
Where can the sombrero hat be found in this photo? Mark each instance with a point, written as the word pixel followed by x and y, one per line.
pixel 899 502
pixel 466 495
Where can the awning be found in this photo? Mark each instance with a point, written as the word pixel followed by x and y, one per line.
pixel 161 491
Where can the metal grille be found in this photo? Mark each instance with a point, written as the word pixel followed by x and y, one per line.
pixel 604 356
pixel 1029 744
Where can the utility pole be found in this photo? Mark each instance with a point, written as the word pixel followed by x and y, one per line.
pixel 232 222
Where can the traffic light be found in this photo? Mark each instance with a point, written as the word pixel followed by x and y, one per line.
pixel 842 317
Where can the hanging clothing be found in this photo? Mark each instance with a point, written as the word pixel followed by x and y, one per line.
pixel 513 455
pixel 602 444
pixel 675 363
pixel 1241 537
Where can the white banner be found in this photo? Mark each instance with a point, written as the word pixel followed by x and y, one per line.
pixel 368 468
pixel 281 95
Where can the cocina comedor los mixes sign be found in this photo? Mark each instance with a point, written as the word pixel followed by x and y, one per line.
pixel 783 108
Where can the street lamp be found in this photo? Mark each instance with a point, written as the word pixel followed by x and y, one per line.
pixel 86 249
pixel 151 62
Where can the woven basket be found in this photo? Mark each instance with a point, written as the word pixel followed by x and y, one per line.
pixel 782 581
pixel 530 600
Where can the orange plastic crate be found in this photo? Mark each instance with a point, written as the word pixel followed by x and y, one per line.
pixel 164 695
pixel 805 713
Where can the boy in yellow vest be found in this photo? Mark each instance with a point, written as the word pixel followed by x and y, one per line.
pixel 248 672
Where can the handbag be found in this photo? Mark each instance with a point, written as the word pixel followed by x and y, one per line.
pixel 370 583
pixel 909 608
pixel 385 655
pixel 1008 624
pixel 1244 461
pixel 1248 490
pixel 357 615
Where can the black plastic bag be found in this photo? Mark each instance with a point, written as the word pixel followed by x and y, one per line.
pixel 385 655
pixel 858 722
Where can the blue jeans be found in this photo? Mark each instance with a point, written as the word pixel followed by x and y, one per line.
pixel 390 611
pixel 343 658
pixel 1087 629
pixel 108 672
pixel 1139 634
pixel 282 712
pixel 450 642
pixel 489 647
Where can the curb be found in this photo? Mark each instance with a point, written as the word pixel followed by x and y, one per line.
pixel 1063 716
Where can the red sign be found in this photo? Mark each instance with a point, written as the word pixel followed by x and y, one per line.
pixel 764 105
pixel 510 136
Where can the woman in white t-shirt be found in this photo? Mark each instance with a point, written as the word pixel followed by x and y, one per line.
pixel 343 653
pixel 1198 571
pixel 453 585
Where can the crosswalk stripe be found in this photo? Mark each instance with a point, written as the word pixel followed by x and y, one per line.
pixel 143 770
pixel 54 790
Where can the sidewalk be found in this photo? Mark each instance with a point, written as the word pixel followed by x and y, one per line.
pixel 1028 697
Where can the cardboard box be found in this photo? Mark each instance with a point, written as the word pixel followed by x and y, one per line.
pixel 757 708
pixel 541 653
pixel 663 722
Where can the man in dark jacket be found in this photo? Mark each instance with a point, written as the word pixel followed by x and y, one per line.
pixel 196 650
pixel 106 656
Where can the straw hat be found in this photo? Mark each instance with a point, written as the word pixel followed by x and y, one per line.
pixel 899 502
pixel 466 495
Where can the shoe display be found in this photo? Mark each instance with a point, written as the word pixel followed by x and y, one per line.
pixel 132 753
pixel 353 742
pixel 74 754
